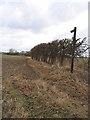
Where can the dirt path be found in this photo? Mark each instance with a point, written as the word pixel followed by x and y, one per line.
pixel 16 76
pixel 20 68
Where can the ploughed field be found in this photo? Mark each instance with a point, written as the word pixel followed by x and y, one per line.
pixel 32 89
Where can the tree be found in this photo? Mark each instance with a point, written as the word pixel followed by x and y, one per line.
pixel 13 52
pixel 59 49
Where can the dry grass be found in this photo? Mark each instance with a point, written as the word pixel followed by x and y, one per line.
pixel 36 89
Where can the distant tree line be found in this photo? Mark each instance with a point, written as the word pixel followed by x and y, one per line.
pixel 58 49
pixel 15 52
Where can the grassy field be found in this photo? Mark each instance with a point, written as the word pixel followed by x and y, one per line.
pixel 35 89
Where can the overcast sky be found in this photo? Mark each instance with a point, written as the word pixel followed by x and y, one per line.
pixel 26 23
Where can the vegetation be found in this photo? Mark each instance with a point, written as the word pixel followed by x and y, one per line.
pixel 58 49
pixel 15 52
pixel 33 89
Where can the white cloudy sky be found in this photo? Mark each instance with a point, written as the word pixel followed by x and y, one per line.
pixel 26 23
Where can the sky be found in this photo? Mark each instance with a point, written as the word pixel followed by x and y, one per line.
pixel 26 23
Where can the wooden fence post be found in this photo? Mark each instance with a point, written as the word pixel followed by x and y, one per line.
pixel 73 49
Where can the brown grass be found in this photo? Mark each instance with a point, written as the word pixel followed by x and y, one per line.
pixel 36 89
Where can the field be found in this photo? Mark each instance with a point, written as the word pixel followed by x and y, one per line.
pixel 34 89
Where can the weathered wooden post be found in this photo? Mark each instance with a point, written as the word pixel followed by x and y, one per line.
pixel 73 49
